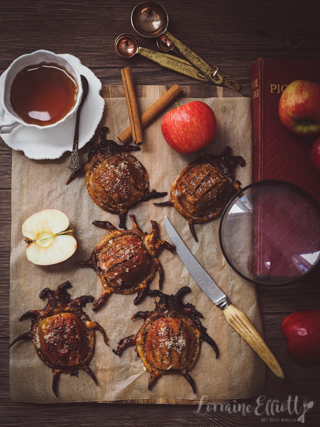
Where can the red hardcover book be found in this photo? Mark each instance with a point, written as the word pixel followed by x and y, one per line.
pixel 278 154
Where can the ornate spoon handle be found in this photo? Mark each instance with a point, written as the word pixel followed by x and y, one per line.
pixel 74 160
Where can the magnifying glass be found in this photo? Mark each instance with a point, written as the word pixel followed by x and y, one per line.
pixel 150 19
pixel 270 233
pixel 127 46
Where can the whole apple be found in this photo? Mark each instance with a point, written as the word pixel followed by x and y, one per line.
pixel 189 127
pixel 315 154
pixel 302 330
pixel 299 108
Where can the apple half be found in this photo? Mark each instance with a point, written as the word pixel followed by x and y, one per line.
pixel 47 236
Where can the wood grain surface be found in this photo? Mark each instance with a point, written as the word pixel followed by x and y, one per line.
pixel 228 34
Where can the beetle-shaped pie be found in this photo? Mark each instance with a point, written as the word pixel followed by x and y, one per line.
pixel 170 338
pixel 62 333
pixel 202 189
pixel 126 260
pixel 115 179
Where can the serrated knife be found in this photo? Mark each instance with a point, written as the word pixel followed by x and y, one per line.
pixel 235 317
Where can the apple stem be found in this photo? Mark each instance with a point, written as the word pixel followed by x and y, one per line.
pixel 177 104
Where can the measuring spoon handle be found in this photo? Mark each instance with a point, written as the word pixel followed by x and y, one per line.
pixel 194 59
pixel 212 73
pixel 173 63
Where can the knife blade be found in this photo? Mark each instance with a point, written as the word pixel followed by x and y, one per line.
pixel 235 317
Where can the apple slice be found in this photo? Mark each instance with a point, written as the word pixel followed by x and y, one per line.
pixel 47 236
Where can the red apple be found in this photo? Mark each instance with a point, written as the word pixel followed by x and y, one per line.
pixel 315 154
pixel 302 330
pixel 299 108
pixel 189 127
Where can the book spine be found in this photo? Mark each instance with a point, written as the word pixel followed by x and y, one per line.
pixel 256 77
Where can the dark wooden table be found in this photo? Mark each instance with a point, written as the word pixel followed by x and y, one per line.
pixel 230 34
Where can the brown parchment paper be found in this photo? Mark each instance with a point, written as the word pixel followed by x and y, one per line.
pixel 36 185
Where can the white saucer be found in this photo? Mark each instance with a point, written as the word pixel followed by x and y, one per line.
pixel 52 143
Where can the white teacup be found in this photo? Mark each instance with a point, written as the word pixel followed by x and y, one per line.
pixel 9 118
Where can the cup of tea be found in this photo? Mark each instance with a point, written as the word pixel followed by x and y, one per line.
pixel 40 90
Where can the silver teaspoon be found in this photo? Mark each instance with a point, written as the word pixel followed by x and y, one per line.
pixel 74 161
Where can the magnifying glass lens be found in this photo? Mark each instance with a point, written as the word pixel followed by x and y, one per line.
pixel 270 232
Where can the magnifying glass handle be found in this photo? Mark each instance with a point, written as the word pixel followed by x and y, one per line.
pixel 173 63
pixel 212 73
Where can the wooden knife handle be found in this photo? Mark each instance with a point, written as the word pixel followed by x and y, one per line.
pixel 240 323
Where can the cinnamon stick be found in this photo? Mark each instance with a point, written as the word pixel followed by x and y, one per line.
pixel 152 112
pixel 132 105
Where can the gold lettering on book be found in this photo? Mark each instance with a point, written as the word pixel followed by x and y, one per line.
pixel 277 88
pixel 254 83
pixel 255 94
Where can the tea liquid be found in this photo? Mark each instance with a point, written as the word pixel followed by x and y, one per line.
pixel 43 94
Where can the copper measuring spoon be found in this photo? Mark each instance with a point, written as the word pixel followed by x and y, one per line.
pixel 165 45
pixel 74 161
pixel 150 19
pixel 127 46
